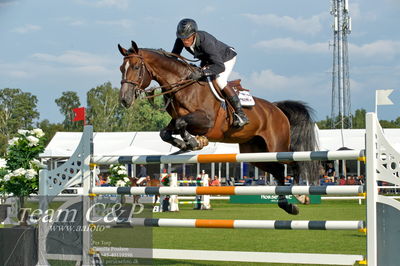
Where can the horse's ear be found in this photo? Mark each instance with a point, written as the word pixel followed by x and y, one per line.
pixel 135 48
pixel 122 50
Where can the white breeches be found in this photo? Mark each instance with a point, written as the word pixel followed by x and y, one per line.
pixel 222 78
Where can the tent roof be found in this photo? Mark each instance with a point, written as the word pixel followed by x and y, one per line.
pixel 64 144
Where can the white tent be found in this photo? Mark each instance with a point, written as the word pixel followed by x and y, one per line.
pixel 64 144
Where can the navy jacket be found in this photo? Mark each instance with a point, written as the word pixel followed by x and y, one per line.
pixel 212 52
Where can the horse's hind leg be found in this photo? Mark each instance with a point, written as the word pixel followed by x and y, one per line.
pixel 277 170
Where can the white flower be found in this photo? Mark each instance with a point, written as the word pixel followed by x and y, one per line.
pixel 121 172
pixel 37 132
pixel 35 162
pixel 30 173
pixel 126 180
pixel 122 167
pixel 23 132
pixel 33 141
pixel 7 177
pixel 12 141
pixel 120 183
pixel 19 171
pixel 3 163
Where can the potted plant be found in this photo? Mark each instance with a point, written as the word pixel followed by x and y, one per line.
pixel 19 174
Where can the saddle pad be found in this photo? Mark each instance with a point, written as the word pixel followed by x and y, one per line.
pixel 246 99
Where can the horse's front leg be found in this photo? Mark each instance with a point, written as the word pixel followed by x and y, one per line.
pixel 166 135
pixel 200 123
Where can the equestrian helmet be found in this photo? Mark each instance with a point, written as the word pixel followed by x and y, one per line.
pixel 186 28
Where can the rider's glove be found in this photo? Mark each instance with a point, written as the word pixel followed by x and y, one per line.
pixel 196 74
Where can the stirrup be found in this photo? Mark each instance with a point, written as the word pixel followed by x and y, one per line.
pixel 239 121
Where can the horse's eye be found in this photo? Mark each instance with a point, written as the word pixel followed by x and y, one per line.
pixel 135 67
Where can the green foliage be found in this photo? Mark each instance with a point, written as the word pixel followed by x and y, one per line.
pixel 68 101
pixel 17 110
pixel 359 118
pixel 143 116
pixel 106 114
pixel 358 121
pixel 50 129
pixel 103 108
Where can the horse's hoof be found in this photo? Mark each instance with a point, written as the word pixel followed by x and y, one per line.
pixel 192 144
pixel 303 199
pixel 294 209
pixel 289 208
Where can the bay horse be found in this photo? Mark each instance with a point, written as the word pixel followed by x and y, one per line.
pixel 148 183
pixel 274 127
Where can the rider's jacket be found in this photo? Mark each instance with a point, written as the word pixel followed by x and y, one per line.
pixel 212 52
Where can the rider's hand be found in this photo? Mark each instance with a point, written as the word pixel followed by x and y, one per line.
pixel 196 74
pixel 207 72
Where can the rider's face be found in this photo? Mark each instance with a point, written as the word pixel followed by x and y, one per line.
pixel 187 42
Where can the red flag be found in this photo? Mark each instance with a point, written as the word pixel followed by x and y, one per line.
pixel 79 114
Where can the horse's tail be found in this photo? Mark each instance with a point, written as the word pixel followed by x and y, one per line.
pixel 302 137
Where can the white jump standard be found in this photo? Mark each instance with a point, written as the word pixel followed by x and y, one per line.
pixel 383 213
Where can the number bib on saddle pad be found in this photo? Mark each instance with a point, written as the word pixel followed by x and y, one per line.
pixel 245 98
pixel 244 95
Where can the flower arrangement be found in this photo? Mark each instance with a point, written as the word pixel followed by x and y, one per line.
pixel 119 176
pixel 19 171
pixel 165 181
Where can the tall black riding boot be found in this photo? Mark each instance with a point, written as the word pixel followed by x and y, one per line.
pixel 240 118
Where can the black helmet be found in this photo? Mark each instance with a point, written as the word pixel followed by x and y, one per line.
pixel 186 28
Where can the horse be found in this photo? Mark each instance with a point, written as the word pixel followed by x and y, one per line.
pixel 197 115
pixel 148 183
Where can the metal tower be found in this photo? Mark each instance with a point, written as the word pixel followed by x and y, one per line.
pixel 341 104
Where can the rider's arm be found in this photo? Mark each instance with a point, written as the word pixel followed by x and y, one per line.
pixel 215 63
pixel 178 47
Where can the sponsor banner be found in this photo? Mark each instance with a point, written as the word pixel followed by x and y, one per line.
pixel 315 199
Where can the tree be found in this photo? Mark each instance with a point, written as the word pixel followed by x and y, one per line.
pixel 103 108
pixel 17 111
pixel 359 118
pixel 68 101
pixel 143 116
pixel 50 129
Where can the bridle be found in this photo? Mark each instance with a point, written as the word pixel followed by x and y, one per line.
pixel 140 79
pixel 142 70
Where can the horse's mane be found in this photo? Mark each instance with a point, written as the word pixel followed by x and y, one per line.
pixel 161 52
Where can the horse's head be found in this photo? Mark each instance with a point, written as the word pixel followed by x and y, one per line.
pixel 135 75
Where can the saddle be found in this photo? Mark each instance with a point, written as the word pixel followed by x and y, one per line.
pixel 235 84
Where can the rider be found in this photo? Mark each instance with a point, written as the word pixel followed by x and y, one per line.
pixel 217 60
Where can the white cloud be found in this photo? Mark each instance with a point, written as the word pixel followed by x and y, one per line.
pixel 382 49
pixel 106 3
pixel 124 23
pixel 208 9
pixel 310 25
pixel 292 45
pixel 73 58
pixel 26 28
pixel 267 80
pixel 5 3
pixel 72 21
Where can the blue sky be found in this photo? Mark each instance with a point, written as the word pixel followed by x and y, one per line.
pixel 51 46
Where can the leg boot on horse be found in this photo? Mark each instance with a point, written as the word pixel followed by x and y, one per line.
pixel 240 118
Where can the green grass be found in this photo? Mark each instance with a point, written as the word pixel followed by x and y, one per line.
pixel 261 240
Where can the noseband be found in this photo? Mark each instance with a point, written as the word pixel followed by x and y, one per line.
pixel 142 70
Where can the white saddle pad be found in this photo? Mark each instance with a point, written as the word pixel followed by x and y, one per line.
pixel 246 99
